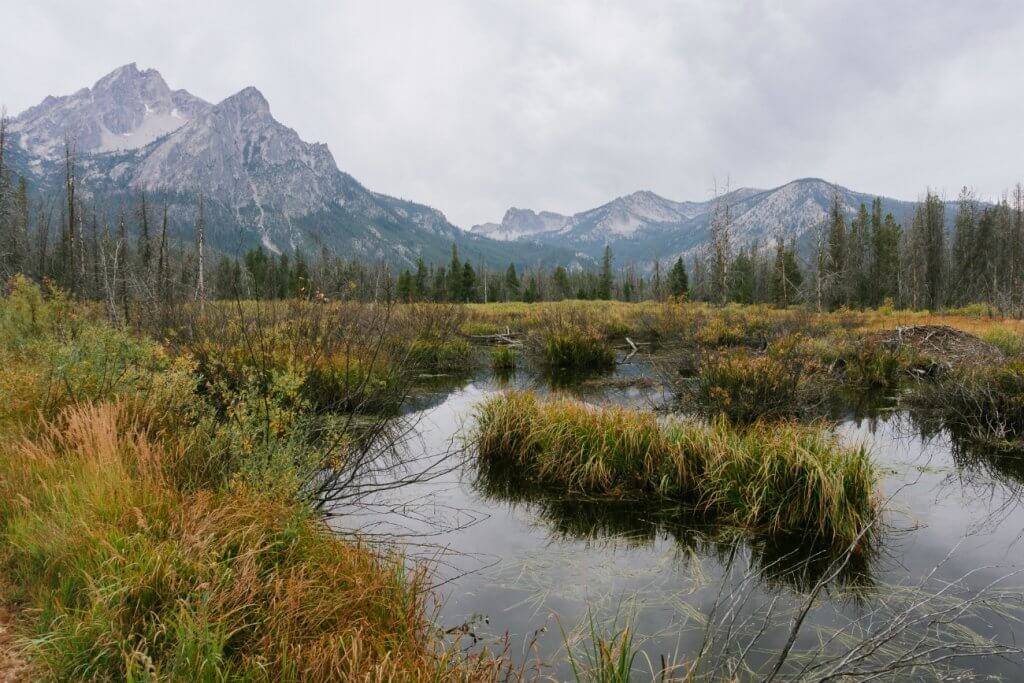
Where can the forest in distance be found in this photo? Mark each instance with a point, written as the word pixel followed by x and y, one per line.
pixel 865 259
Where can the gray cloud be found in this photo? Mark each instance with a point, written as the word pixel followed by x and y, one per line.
pixel 475 106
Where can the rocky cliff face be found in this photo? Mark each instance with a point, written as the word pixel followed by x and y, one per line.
pixel 261 182
pixel 126 109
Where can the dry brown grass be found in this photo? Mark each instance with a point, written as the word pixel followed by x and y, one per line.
pixel 133 577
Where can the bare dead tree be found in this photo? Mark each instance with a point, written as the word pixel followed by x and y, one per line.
pixel 200 249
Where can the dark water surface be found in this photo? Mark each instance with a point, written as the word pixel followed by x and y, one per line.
pixel 507 562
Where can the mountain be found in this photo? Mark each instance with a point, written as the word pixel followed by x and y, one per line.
pixel 261 183
pixel 644 226
pixel 126 109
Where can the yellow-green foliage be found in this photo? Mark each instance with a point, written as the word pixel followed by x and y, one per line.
pixel 503 358
pixel 440 356
pixel 135 579
pixel 53 358
pixel 746 387
pixel 577 350
pixel 156 534
pixel 1006 340
pixel 779 478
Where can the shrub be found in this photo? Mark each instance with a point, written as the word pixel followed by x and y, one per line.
pixel 981 404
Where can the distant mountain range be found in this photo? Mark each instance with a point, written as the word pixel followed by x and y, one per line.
pixel 263 185
pixel 643 226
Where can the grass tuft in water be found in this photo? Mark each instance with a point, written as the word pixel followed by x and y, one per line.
pixel 576 350
pixel 503 359
pixel 780 478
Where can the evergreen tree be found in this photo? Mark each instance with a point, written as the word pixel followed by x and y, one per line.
pixel 455 292
pixel 419 283
pixel 742 278
pixel 930 224
pixel 439 290
pixel 560 279
pixel 531 294
pixel 604 286
pixel 678 280
pixel 468 287
pixel 835 263
pixel 405 286
pixel 855 276
pixel 967 274
pixel 511 283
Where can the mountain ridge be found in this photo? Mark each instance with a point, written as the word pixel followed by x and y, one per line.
pixel 645 226
pixel 262 184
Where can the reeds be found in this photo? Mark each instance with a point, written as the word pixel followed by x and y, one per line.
pixel 780 478
pixel 503 359
pixel 747 387
pixel 576 350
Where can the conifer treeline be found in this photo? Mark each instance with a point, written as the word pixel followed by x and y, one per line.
pixel 866 259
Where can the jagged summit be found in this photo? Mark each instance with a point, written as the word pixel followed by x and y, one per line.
pixel 126 109
pixel 262 184
pixel 248 100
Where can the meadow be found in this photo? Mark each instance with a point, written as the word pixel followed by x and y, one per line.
pixel 166 485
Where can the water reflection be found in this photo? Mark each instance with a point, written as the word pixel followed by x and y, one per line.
pixel 519 555
pixel 779 560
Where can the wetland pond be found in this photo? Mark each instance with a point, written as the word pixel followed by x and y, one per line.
pixel 527 572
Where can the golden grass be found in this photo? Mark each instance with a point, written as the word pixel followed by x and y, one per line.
pixel 779 478
pixel 133 578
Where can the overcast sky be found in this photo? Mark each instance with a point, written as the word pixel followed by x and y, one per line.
pixel 476 106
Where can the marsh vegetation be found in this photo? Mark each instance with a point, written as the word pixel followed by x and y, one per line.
pixel 300 490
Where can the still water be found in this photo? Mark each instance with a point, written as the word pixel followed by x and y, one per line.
pixel 527 572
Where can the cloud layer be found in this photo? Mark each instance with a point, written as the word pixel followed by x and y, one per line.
pixel 476 106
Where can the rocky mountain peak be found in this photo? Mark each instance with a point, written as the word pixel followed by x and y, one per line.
pixel 126 109
pixel 247 101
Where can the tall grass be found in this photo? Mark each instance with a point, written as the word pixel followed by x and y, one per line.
pixel 132 578
pixel 503 359
pixel 606 658
pixel 747 387
pixel 780 478
pixel 576 350
pixel 157 531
